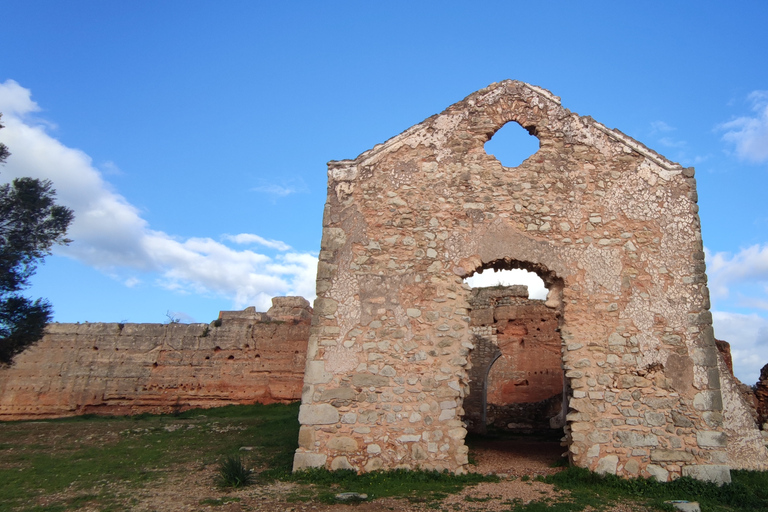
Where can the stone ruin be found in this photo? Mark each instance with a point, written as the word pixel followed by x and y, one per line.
pixel 107 368
pixel 515 374
pixel 610 226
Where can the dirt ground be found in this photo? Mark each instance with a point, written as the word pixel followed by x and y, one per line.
pixel 190 487
pixel 509 459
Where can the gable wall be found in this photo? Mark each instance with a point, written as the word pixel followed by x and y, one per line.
pixel 611 227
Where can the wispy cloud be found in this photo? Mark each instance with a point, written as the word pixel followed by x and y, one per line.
pixel 276 190
pixel 110 235
pixel 740 282
pixel 672 143
pixel 284 187
pixel 749 134
pixel 110 168
pixel 661 126
pixel 248 238
pixel 748 336
pixel 726 270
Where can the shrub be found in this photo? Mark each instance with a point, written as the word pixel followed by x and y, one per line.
pixel 232 472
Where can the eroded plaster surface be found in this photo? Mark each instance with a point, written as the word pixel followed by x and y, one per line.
pixel 611 227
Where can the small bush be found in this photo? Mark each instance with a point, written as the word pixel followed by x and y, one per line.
pixel 232 472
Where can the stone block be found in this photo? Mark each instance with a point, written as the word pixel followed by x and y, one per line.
pixel 343 444
pixel 671 456
pixel 657 472
pixel 308 460
pixel 718 474
pixel 607 465
pixel 316 374
pixel 710 400
pixel 341 463
pixel 338 394
pixel 365 380
pixel 321 414
pixel 709 438
pixel 636 439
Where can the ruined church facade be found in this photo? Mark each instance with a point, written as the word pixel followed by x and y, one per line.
pixel 609 225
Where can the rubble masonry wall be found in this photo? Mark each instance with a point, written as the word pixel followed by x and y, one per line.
pixel 109 368
pixel 612 228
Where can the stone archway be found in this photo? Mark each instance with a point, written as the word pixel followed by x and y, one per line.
pixel 408 220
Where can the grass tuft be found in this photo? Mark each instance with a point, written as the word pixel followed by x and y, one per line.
pixel 233 473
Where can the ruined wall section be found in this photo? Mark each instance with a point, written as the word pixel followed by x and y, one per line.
pixel 132 368
pixel 515 372
pixel 612 228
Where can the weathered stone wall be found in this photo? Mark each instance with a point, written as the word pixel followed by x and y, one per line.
pixel 761 397
pixel 516 374
pixel 131 368
pixel 610 226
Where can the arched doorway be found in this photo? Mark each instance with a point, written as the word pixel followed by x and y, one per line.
pixel 517 384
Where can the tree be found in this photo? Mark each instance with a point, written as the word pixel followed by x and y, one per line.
pixel 3 149
pixel 30 224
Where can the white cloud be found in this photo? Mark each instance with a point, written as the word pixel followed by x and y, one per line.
pixel 248 238
pixel 672 143
pixel 276 190
pixel 109 233
pixel 740 281
pixel 490 277
pixel 748 336
pixel 15 100
pixel 749 134
pixel 661 126
pixel 725 270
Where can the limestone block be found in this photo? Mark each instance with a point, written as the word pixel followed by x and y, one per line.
pixel 306 438
pixel 671 456
pixel 316 374
pixel 718 474
pixel 321 414
pixel 338 394
pixel 303 460
pixel 636 439
pixel 364 380
pixel 709 438
pixel 341 463
pixel 607 465
pixel 685 506
pixel 708 401
pixel 374 464
pixel 657 472
pixel 343 444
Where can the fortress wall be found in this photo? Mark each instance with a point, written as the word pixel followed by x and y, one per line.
pixel 133 368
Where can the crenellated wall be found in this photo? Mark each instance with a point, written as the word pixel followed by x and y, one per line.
pixel 241 358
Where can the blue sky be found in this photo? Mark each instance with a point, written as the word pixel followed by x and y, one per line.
pixel 191 137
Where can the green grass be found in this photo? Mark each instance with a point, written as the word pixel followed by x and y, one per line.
pixel 747 493
pixel 418 486
pixel 100 462
pixel 131 451
pixel 233 472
